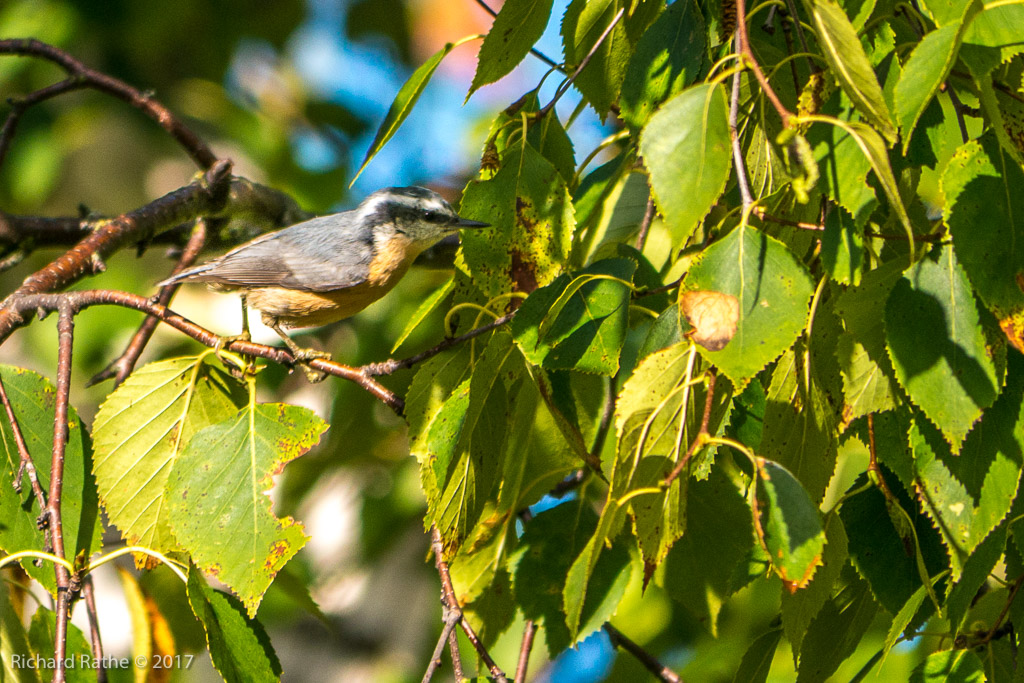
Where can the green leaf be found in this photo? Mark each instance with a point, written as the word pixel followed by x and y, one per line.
pixel 985 215
pixel 584 22
pixel 845 55
pixel 13 642
pixel 686 145
pixel 477 435
pixel 773 290
pixel 41 634
pixel 937 347
pixel 530 212
pixel 869 382
pixel 836 631
pixel 548 546
pixel 217 501
pixel 578 323
pixel 790 523
pixel 549 137
pixel 33 401
pixel 667 58
pixel 842 248
pixel 886 558
pixel 901 621
pixel 873 147
pixel 799 608
pixel 425 308
pixel 757 660
pixel 239 647
pixel 718 537
pixel 519 24
pixel 975 574
pixel 800 427
pixel 926 70
pixel 844 170
pixel 141 430
pixel 405 100
pixel 949 666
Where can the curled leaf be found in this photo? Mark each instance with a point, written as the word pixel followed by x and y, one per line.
pixel 713 316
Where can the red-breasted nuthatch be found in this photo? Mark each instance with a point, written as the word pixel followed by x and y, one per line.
pixel 329 268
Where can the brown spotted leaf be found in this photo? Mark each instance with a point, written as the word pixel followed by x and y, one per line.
pixel 216 494
pixel 712 315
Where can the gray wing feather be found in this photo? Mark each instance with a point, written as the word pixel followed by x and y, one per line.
pixel 317 255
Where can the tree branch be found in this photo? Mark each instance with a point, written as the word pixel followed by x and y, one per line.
pixel 83 76
pixel 65 332
pixel 122 366
pixel 19 308
pixel 217 195
pixel 660 671
pixel 392 365
pixel 702 434
pixel 748 58
pixel 451 602
pixel 529 631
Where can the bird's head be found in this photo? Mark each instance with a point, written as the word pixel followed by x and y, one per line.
pixel 419 214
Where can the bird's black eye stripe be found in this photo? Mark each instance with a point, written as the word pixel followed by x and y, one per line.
pixel 435 216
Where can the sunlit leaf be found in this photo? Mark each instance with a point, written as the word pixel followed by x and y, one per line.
pixel 845 55
pixel 141 430
pixel 217 495
pixel 667 59
pixel 791 524
pixel 517 27
pixel 686 145
pixel 937 347
pixel 773 290
pixel 405 100
pixel 986 218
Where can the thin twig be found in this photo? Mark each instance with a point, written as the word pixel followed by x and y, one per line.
pixel 737 150
pixel 751 61
pixel 562 89
pixel 650 662
pixel 65 333
pixel 645 224
pixel 702 433
pixel 94 628
pixel 435 658
pixel 533 51
pixel 25 464
pixel 1002 614
pixel 451 601
pixel 122 366
pixel 935 237
pixel 765 216
pixel 200 153
pixel 20 104
pixel 393 365
pixel 22 307
pixel 529 631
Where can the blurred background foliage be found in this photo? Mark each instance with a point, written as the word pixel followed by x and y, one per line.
pixel 292 92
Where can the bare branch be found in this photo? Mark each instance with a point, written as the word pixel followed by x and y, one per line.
pixel 391 365
pixel 122 366
pixel 737 151
pixel 586 60
pixel 79 72
pixel 21 307
pixel 217 195
pixel 660 671
pixel 645 223
pixel 748 58
pixel 65 333
pixel 451 601
pixel 529 631
pixel 94 628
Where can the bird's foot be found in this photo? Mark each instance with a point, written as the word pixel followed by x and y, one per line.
pixel 232 364
pixel 302 358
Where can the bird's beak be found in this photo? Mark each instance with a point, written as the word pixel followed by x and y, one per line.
pixel 466 223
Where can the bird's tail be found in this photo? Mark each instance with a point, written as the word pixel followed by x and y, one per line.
pixel 190 274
